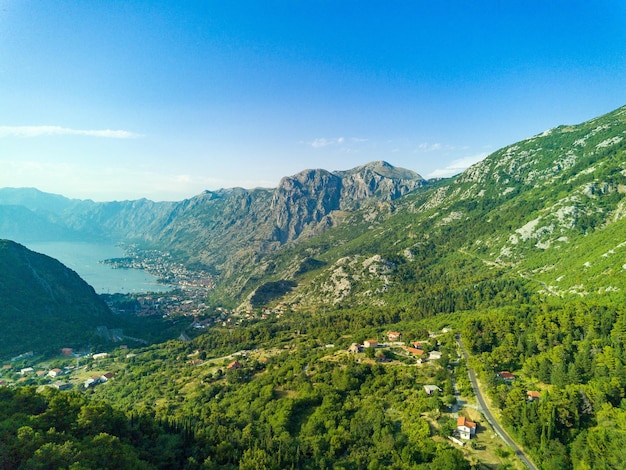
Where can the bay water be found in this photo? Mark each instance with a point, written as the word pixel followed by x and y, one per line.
pixel 85 257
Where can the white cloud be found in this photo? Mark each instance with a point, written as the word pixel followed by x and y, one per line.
pixel 324 142
pixel 335 141
pixel 427 147
pixel 38 131
pixel 457 166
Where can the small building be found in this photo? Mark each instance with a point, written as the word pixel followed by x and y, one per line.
pixel 355 348
pixel 27 370
pixel 465 427
pixel 394 336
pixel 90 382
pixel 415 351
pixel 434 355
pixel 100 356
pixel 533 395
pixel 234 365
pixel 55 372
pixel 93 381
pixel 67 352
pixel 61 385
pixel 430 389
pixel 370 343
pixel 506 375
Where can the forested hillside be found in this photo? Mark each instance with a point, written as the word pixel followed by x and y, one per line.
pixel 44 305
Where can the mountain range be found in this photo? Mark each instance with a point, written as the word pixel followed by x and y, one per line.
pixel 522 255
pixel 527 212
pixel 533 201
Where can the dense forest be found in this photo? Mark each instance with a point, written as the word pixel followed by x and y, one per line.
pixel 572 353
pixel 300 406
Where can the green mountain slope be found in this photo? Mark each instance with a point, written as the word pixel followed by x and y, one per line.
pixel 546 213
pixel 44 305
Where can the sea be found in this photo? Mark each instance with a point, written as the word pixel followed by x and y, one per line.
pixel 85 258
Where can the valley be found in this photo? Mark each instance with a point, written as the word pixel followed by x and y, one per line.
pixel 274 351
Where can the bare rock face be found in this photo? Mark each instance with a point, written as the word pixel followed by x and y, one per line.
pixel 376 179
pixel 303 200
pixel 309 198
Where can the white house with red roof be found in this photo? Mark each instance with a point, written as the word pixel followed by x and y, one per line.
pixel 370 343
pixel 394 335
pixel 465 427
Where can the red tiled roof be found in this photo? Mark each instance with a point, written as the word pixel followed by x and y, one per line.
pixel 463 421
pixel 419 352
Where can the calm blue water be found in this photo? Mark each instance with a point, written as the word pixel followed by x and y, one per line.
pixel 84 258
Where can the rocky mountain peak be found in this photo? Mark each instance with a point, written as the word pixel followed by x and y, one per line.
pixel 309 198
pixel 383 169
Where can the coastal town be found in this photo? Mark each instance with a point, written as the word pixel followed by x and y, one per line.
pixel 162 265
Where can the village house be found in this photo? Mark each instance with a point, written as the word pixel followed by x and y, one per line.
pixel 27 370
pixel 430 389
pixel 434 356
pixel 234 365
pixel 533 395
pixel 100 356
pixel 92 381
pixel 355 348
pixel 465 427
pixel 55 372
pixel 61 385
pixel 394 336
pixel 506 375
pixel 415 351
pixel 370 343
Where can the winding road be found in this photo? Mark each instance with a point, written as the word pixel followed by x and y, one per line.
pixel 482 406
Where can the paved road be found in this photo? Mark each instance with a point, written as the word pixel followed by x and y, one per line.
pixel 482 405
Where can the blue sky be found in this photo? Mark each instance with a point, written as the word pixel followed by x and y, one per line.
pixel 122 100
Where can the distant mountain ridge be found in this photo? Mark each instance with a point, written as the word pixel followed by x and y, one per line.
pixel 217 228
